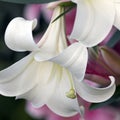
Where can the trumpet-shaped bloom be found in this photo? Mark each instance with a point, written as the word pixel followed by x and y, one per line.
pixel 53 72
pixel 94 20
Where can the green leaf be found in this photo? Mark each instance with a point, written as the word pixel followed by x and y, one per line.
pixel 69 5
pixel 115 98
pixel 114 40
pixel 28 1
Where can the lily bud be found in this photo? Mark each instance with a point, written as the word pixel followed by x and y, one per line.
pixel 111 58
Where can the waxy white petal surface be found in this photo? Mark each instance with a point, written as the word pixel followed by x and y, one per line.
pixel 18 35
pixel 94 20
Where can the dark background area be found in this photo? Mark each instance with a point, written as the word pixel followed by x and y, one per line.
pixel 11 109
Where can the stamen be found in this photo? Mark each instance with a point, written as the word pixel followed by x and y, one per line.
pixel 71 93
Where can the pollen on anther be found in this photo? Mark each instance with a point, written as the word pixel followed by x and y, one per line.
pixel 71 94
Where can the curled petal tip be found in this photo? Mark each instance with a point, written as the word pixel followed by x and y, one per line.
pixel 95 94
pixel 34 23
pixel 18 34
pixel 112 80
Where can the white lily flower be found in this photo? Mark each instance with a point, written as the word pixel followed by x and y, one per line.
pixel 94 20
pixel 52 73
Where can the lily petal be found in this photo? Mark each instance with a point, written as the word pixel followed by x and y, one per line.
pixel 18 35
pixel 52 91
pixel 14 70
pixel 59 103
pixel 15 81
pixel 117 14
pixel 92 94
pixel 59 42
pixel 94 20
pixel 40 93
pixel 73 58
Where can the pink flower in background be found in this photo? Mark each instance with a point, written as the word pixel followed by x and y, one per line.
pixel 46 113
pixel 35 10
pixel 32 11
pixel 70 16
pixel 105 113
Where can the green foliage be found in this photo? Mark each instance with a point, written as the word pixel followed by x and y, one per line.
pixel 114 40
pixel 11 109
pixel 69 6
pixel 28 1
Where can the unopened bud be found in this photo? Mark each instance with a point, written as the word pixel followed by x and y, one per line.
pixel 111 58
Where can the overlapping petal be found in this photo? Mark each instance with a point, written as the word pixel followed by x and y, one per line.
pixel 94 20
pixel 58 39
pixel 14 79
pixel 58 102
pixel 15 69
pixel 41 92
pixel 74 58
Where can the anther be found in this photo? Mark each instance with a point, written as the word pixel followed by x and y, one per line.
pixel 71 94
